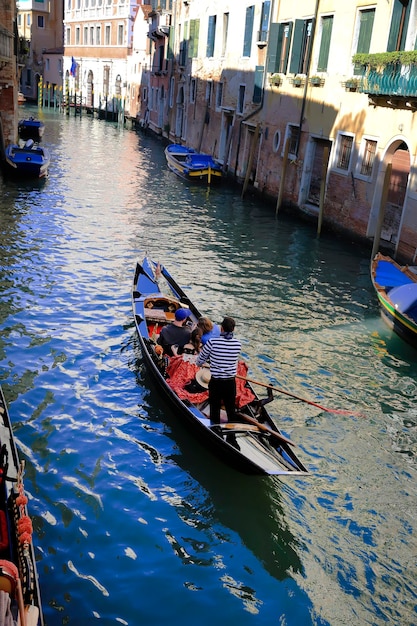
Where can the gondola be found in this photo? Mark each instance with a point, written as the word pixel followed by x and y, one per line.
pixel 20 601
pixel 253 444
pixel 396 288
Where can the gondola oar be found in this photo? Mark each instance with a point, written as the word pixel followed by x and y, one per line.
pixel 252 420
pixel 292 395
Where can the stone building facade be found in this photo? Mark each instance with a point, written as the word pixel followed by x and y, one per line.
pixel 8 73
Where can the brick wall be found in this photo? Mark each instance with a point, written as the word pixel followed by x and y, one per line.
pixel 8 77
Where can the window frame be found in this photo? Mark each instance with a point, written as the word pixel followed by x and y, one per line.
pixel 341 135
pixel 362 157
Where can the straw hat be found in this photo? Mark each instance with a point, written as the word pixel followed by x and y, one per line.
pixel 203 377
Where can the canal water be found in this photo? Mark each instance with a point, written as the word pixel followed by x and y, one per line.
pixel 135 523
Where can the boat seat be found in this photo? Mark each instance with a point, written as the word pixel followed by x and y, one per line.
pixel 158 315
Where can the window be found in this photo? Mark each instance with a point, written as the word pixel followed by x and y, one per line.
pixel 28 19
pixel 368 157
pixel 258 84
pixel 85 35
pixel 326 34
pixel 68 36
pixel 171 92
pixel 107 35
pixel 41 21
pixel 279 47
pixel 219 95
pixel 344 151
pixel 193 89
pixel 77 36
pixel 225 32
pixel 91 35
pixel 211 35
pixel 364 32
pixel 184 47
pixel 241 99
pixel 47 64
pixel 263 30
pixel 301 48
pixel 120 35
pixel 247 42
pixel 98 35
pixel 292 135
pixel 209 90
pixel 399 24
pixel 193 41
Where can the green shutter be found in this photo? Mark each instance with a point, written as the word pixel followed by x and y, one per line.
pixel 247 42
pixel 326 34
pixel 273 47
pixel 170 51
pixel 398 31
pixel 258 85
pixel 365 33
pixel 365 30
pixel 193 45
pixel 297 47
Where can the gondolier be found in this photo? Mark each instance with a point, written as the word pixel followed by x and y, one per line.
pixel 223 354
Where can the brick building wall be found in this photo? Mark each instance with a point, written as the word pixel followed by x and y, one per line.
pixel 8 73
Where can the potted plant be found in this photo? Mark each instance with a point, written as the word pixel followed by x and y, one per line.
pixel 297 81
pixel 317 81
pixel 352 84
pixel 275 80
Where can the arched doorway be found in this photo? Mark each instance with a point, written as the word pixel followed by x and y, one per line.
pixel 398 155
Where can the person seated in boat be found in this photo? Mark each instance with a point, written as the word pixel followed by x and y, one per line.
pixel 208 329
pixel 192 348
pixel 176 333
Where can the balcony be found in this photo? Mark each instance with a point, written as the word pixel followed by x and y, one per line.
pixel 389 79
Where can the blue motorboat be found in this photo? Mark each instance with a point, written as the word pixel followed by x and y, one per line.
pixel 31 128
pixel 191 165
pixel 27 161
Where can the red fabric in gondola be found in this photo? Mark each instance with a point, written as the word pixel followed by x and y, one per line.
pixel 181 372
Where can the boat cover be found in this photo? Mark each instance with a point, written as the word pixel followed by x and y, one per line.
pixel 404 298
pixel 388 276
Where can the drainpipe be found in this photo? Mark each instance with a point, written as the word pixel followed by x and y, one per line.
pixel 310 52
pixel 250 115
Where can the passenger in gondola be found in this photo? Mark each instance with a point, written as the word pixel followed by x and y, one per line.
pixel 208 329
pixel 192 348
pixel 176 333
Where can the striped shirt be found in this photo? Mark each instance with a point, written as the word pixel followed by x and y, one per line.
pixel 223 355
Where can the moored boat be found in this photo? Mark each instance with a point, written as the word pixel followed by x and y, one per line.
pixel 191 165
pixel 20 601
pixel 396 288
pixel 253 444
pixel 31 128
pixel 27 161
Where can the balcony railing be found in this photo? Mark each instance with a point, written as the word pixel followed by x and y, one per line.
pixel 391 80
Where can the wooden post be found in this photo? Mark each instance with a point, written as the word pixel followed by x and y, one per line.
pixel 381 213
pixel 254 143
pixel 323 187
pixel 283 175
